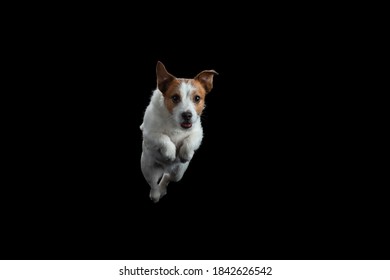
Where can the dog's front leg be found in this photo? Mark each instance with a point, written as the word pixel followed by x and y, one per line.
pixel 162 144
pixel 189 146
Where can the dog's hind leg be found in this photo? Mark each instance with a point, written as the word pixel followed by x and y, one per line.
pixel 152 173
pixel 164 183
pixel 178 172
pixel 152 179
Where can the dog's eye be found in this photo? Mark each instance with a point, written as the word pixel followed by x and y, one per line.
pixel 197 98
pixel 175 98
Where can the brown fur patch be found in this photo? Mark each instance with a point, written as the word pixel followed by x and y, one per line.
pixel 206 79
pixel 172 90
pixel 201 92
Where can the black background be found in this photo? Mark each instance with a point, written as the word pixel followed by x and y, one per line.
pixel 275 176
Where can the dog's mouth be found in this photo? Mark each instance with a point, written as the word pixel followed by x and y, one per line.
pixel 186 125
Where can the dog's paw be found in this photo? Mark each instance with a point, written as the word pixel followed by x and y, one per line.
pixel 185 153
pixel 168 152
pixel 155 195
pixel 163 192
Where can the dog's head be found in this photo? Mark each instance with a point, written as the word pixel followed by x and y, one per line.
pixel 184 98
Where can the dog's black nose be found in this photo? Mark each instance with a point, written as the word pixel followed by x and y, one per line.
pixel 186 116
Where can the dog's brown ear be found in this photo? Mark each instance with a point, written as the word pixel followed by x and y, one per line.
pixel 163 77
pixel 206 79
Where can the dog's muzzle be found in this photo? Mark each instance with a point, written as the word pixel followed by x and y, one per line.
pixel 187 120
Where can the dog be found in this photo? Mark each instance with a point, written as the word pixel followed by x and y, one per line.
pixel 171 128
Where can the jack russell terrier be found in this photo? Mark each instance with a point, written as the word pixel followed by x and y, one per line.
pixel 171 127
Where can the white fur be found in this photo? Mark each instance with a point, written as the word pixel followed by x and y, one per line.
pixel 168 148
pixel 186 104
